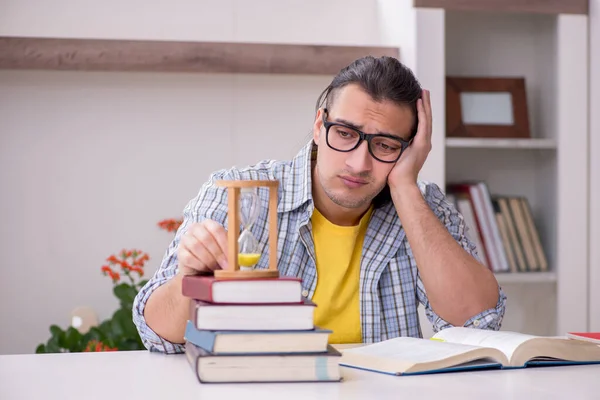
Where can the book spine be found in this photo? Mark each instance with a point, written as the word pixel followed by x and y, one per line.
pixel 196 289
pixel 203 339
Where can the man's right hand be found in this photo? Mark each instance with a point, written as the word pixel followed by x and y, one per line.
pixel 203 248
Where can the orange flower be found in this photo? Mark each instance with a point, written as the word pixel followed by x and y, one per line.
pixel 138 270
pixel 96 345
pixel 170 225
pixel 115 276
pixel 125 265
pixel 106 269
pixel 112 259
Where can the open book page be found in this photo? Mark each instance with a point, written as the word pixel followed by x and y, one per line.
pixel 521 348
pixel 406 354
pixel 506 342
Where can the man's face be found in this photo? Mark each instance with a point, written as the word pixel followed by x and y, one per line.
pixel 352 179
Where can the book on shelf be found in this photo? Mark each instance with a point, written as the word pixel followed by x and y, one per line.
pixel 464 349
pixel 236 332
pixel 501 227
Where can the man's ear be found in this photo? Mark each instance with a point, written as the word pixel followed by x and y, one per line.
pixel 318 125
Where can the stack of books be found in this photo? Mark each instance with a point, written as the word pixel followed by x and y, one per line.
pixel 255 330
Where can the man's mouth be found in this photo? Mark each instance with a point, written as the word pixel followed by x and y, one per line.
pixel 353 182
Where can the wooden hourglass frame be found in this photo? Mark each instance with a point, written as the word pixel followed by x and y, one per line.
pixel 233 197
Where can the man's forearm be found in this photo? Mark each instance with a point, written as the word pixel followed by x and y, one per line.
pixel 458 286
pixel 167 311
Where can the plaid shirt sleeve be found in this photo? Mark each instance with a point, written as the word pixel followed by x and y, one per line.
pixel 453 221
pixel 210 203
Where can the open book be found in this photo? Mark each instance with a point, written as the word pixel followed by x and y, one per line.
pixel 459 349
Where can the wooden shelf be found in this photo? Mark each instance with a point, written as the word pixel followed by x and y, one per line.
pixel 525 6
pixel 525 277
pixel 486 143
pixel 171 56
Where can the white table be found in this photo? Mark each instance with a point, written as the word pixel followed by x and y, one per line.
pixel 142 375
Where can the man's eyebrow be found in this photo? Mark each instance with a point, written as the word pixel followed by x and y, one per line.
pixel 360 127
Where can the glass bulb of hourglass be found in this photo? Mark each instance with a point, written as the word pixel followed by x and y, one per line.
pixel 248 252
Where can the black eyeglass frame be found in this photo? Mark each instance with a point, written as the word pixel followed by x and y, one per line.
pixel 364 136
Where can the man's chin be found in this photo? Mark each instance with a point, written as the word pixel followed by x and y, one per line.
pixel 346 199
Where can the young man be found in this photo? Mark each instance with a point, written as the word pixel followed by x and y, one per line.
pixel 369 241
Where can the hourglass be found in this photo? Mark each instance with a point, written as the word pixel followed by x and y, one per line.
pixel 249 208
pixel 243 249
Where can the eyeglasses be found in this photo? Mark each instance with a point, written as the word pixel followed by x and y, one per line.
pixel 383 147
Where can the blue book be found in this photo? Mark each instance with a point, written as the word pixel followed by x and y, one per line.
pixel 257 341
pixel 465 349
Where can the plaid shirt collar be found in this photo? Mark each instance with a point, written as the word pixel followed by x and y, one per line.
pixel 384 228
pixel 297 183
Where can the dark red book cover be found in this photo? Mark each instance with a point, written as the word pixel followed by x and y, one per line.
pixel 284 289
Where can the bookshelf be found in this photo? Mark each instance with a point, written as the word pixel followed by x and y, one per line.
pixel 179 56
pixel 509 144
pixel 547 44
pixel 528 6
pixel 526 277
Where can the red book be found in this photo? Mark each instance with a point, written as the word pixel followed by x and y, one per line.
pixel 280 290
pixel 593 337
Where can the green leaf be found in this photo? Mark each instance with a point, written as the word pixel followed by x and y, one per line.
pixel 53 346
pixel 73 340
pixel 106 329
pixel 130 344
pixel 123 318
pixel 56 331
pixel 94 334
pixel 116 329
pixel 126 293
pixel 40 349
pixel 58 335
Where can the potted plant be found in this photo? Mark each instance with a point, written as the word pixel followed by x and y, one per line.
pixel 126 271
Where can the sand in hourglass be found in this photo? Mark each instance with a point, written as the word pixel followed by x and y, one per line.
pixel 249 208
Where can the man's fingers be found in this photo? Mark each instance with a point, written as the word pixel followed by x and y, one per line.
pixel 200 257
pixel 427 109
pixel 187 259
pixel 421 136
pixel 211 246
pixel 219 236
pixel 204 233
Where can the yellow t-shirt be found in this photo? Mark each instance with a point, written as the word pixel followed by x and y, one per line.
pixel 338 252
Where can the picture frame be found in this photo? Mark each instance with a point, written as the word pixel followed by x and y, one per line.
pixel 487 107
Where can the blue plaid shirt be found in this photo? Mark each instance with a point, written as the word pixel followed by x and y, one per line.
pixel 390 287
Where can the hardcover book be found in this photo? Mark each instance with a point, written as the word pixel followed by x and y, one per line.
pixel 315 367
pixel 237 291
pixel 260 341
pixel 240 317
pixel 461 349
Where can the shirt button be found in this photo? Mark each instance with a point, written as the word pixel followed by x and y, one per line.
pixel 476 322
pixel 305 293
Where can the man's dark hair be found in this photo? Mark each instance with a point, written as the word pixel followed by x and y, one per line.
pixel 384 79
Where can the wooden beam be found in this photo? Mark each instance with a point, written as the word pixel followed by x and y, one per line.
pixel 171 56
pixel 526 6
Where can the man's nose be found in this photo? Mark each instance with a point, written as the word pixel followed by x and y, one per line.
pixel 359 159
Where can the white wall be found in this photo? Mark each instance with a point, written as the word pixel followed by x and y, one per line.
pixel 89 162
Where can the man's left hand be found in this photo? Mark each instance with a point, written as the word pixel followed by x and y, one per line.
pixel 407 168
